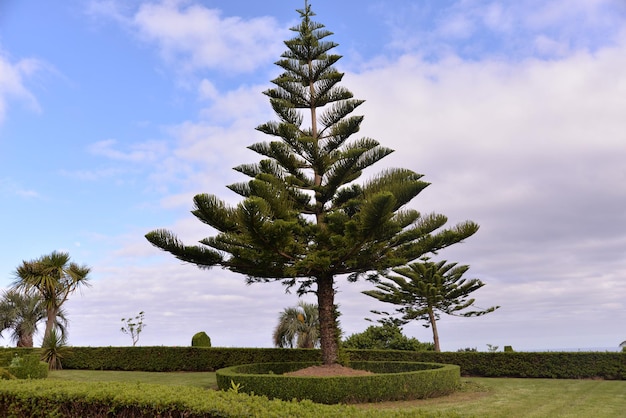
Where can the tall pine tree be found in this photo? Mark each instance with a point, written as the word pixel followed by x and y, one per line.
pixel 303 220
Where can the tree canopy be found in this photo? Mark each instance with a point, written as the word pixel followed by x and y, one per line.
pixel 304 219
pixel 387 336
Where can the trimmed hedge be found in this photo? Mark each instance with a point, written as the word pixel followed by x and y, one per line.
pixel 556 365
pixel 28 367
pixel 578 365
pixel 41 398
pixel 8 354
pixel 392 381
pixel 22 363
pixel 168 359
pixel 200 339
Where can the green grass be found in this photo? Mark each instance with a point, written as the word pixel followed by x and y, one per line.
pixel 490 397
pixel 205 380
pixel 479 397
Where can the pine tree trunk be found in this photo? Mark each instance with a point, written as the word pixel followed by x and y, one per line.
pixel 433 324
pixel 328 334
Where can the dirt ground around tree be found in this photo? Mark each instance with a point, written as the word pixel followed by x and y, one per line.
pixel 326 371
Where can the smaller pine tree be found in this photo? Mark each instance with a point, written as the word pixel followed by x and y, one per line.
pixel 424 289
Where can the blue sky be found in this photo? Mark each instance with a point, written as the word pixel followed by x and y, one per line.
pixel 113 114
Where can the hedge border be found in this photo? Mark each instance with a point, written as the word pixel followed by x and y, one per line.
pixel 168 359
pixel 392 381
pixel 45 398
pixel 28 366
pixel 556 365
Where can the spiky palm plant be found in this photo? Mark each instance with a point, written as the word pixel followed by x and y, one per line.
pixel 54 349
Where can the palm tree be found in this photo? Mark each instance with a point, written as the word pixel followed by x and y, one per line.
pixel 299 325
pixel 21 313
pixel 53 277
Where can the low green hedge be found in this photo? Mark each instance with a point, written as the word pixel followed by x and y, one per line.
pixel 556 365
pixel 391 381
pixel 8 354
pixel 167 359
pixel 568 365
pixel 47 398
pixel 28 367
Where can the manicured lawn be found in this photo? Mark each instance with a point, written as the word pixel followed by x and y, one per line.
pixel 201 379
pixel 489 397
pixel 480 397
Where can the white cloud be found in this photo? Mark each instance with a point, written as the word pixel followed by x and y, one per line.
pixel 27 193
pixel 178 300
pixel 94 174
pixel 196 37
pixel 546 46
pixel 533 152
pixel 12 83
pixel 205 151
pixel 525 111
pixel 144 152
pixel 456 27
pixel 11 187
pixel 497 18
pixel 208 90
pixel 586 13
pixel 514 29
pixel 201 156
pixel 112 9
pixel 128 160
pixel 244 105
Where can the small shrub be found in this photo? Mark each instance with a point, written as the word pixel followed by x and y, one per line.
pixel 201 339
pixel 508 349
pixel 387 336
pixel 28 367
pixel 5 374
pixel 54 349
pixel 133 327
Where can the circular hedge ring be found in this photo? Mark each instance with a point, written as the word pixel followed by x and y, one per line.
pixel 392 380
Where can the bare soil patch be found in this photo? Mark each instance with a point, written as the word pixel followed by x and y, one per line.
pixel 326 371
